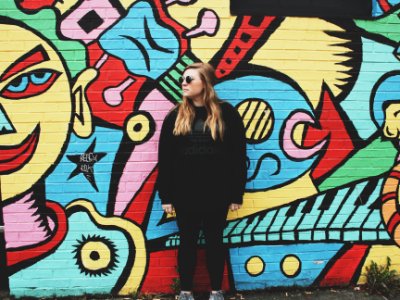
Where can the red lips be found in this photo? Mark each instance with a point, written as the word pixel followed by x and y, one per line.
pixel 13 158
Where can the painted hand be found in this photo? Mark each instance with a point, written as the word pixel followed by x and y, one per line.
pixel 234 206
pixel 168 208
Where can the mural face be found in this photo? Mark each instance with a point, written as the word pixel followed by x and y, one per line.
pixel 84 89
pixel 35 95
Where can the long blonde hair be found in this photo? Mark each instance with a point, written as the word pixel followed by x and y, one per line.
pixel 186 111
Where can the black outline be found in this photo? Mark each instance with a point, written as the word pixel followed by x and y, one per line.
pixel 229 42
pixel 263 267
pixel 347 125
pixel 93 21
pixel 260 161
pixel 38 48
pixel 151 41
pixel 26 263
pixel 34 135
pixel 112 264
pixel 141 48
pixel 316 125
pixel 131 245
pixel 4 130
pixel 76 160
pixel 54 76
pixel 298 270
pixel 152 125
pixel 386 103
pixel 49 170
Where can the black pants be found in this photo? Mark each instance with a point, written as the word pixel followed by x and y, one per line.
pixel 213 223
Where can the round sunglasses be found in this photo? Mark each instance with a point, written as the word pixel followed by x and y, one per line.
pixel 187 78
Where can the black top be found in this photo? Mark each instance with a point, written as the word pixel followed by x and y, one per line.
pixel 195 169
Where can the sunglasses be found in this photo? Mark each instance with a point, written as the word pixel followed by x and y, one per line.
pixel 188 79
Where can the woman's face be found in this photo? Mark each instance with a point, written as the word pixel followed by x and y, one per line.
pixel 192 86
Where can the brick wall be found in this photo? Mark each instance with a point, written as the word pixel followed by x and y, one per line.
pixel 84 88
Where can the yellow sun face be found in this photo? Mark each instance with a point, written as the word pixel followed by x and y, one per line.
pixel 35 109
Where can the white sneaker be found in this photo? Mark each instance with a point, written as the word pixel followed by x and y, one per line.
pixel 185 296
pixel 216 296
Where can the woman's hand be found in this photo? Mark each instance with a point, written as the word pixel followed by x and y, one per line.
pixel 234 206
pixel 168 208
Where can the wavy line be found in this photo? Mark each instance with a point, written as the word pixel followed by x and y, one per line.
pixel 259 162
pixel 151 41
pixel 142 49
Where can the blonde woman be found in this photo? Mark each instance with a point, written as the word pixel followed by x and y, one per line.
pixel 202 173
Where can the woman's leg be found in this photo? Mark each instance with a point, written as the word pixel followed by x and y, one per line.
pixel 214 224
pixel 189 228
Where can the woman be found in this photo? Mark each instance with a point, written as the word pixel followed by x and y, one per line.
pixel 202 173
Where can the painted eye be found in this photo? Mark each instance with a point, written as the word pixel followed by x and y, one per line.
pixel 19 84
pixel 95 255
pixel 40 77
pixel 30 84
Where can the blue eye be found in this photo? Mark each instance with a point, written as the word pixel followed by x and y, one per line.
pixel 38 78
pixel 30 84
pixel 18 84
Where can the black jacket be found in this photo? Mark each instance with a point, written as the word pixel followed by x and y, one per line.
pixel 194 167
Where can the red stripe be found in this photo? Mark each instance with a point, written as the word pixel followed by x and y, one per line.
pixel 36 4
pixel 389 196
pixel 385 5
pixel 139 205
pixel 237 49
pixel 395 174
pixel 32 59
pixel 394 220
pixel 345 267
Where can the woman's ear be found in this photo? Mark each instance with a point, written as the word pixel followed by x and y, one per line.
pixel 82 118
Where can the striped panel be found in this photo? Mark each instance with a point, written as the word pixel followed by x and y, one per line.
pixel 170 81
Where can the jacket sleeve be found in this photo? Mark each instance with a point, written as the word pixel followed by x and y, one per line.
pixel 165 160
pixel 237 144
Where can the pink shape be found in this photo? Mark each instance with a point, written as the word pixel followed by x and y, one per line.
pixel 144 157
pixel 101 61
pixel 113 95
pixel 24 225
pixel 207 24
pixel 289 146
pixel 108 14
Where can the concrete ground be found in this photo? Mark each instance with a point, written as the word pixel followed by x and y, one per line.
pixel 311 294
pixel 323 294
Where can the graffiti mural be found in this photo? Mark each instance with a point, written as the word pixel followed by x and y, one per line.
pixel 84 89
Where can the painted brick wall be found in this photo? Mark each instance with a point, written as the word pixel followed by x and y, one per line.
pixel 84 88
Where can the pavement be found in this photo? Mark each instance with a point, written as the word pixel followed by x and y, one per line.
pixel 290 294
pixel 321 294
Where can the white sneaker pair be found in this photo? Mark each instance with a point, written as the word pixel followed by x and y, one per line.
pixel 213 296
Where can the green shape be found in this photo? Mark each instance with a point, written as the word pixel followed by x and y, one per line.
pixel 172 83
pixel 44 23
pixel 174 74
pixel 187 60
pixel 374 160
pixel 170 91
pixel 180 67
pixel 387 26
